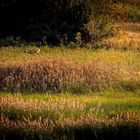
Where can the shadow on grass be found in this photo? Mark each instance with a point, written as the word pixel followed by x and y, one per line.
pixel 85 132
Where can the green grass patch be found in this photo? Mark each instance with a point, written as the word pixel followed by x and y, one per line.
pixel 67 105
pixel 15 54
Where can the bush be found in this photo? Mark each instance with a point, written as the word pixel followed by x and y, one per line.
pixel 49 21
pixel 10 41
pixel 100 28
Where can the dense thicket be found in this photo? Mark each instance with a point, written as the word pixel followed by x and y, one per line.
pixel 54 21
pixel 40 19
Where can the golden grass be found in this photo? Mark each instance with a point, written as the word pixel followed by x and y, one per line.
pixel 61 116
pixel 75 70
pixel 58 75
pixel 128 37
pixel 43 123
pixel 64 116
pixel 17 55
pixel 76 109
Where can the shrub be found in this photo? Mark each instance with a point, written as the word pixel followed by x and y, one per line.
pixel 9 41
pixel 49 21
pixel 99 28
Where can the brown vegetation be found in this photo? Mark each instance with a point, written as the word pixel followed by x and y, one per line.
pixel 58 75
pixel 115 128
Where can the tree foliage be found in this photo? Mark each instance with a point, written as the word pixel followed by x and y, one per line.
pixel 52 20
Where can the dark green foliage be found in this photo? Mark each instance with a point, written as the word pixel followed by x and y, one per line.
pixel 99 28
pixel 49 21
pixel 41 20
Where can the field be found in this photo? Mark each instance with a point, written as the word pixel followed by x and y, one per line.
pixel 67 93
pixel 67 116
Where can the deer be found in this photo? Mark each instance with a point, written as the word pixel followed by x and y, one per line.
pixel 33 51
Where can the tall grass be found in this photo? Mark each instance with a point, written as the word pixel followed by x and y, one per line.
pixel 58 75
pixel 68 117
pixel 61 107
pixel 79 70
pixel 87 128
pixel 128 37
pixel 82 55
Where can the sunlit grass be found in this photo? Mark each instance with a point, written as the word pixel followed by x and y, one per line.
pixel 66 106
pixel 74 55
pixel 101 99
pixel 103 92
pixel 128 38
pixel 49 116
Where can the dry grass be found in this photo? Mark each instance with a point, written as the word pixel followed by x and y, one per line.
pixel 16 123
pixel 128 37
pixel 85 128
pixel 61 107
pixel 58 75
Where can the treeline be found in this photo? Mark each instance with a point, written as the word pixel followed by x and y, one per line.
pixel 59 21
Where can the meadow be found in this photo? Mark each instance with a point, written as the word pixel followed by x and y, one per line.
pixel 66 70
pixel 67 93
pixel 67 116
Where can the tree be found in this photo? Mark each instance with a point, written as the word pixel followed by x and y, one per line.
pixel 50 20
